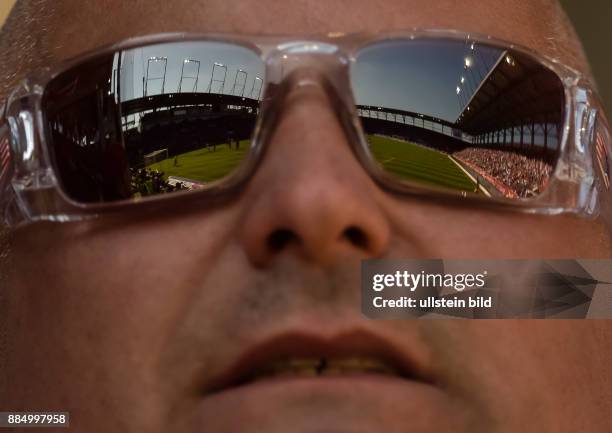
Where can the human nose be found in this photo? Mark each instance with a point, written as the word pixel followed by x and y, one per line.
pixel 310 196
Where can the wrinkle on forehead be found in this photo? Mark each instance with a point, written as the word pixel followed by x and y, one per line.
pixel 47 31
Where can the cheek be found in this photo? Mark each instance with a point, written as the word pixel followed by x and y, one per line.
pixel 509 368
pixel 90 309
pixel 435 231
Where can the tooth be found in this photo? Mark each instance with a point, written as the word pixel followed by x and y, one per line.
pixel 298 367
pixel 332 372
pixel 306 363
pixel 310 367
pixel 357 365
pixel 353 362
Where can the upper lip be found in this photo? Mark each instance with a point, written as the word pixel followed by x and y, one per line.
pixel 307 345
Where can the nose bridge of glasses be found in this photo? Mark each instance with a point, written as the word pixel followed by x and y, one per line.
pixel 309 64
pixel 299 72
pixel 320 58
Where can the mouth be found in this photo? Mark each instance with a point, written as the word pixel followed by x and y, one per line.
pixel 323 382
pixel 300 356
pixel 312 367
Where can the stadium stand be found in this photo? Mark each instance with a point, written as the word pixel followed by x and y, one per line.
pixel 526 177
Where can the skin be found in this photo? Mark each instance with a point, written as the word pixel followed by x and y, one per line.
pixel 116 320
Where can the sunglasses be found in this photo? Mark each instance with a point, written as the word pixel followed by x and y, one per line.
pixel 444 115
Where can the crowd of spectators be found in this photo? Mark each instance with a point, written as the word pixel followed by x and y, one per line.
pixel 148 182
pixel 527 176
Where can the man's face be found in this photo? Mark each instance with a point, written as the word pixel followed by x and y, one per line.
pixel 135 323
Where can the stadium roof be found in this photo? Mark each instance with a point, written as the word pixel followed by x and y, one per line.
pixel 517 91
pixel 183 99
pixel 407 113
pixel 77 85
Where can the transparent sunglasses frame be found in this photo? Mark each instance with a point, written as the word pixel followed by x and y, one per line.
pixel 30 190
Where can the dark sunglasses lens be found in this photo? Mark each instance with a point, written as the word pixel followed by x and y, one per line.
pixel 151 120
pixel 460 115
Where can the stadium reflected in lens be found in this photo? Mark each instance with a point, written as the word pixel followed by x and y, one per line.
pixel 460 115
pixel 152 120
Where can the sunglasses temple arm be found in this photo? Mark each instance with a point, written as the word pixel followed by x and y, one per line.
pixel 602 161
pixel 8 210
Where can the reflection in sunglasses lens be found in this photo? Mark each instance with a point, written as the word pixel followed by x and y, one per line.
pixel 154 119
pixel 460 115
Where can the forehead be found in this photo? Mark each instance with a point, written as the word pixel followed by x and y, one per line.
pixel 45 32
pixel 78 25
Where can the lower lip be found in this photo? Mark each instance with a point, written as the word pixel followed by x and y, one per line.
pixel 325 404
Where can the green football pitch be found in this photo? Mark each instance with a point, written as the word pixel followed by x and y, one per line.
pixel 418 163
pixel 404 159
pixel 203 165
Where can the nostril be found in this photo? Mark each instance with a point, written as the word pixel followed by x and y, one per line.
pixel 280 238
pixel 356 236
